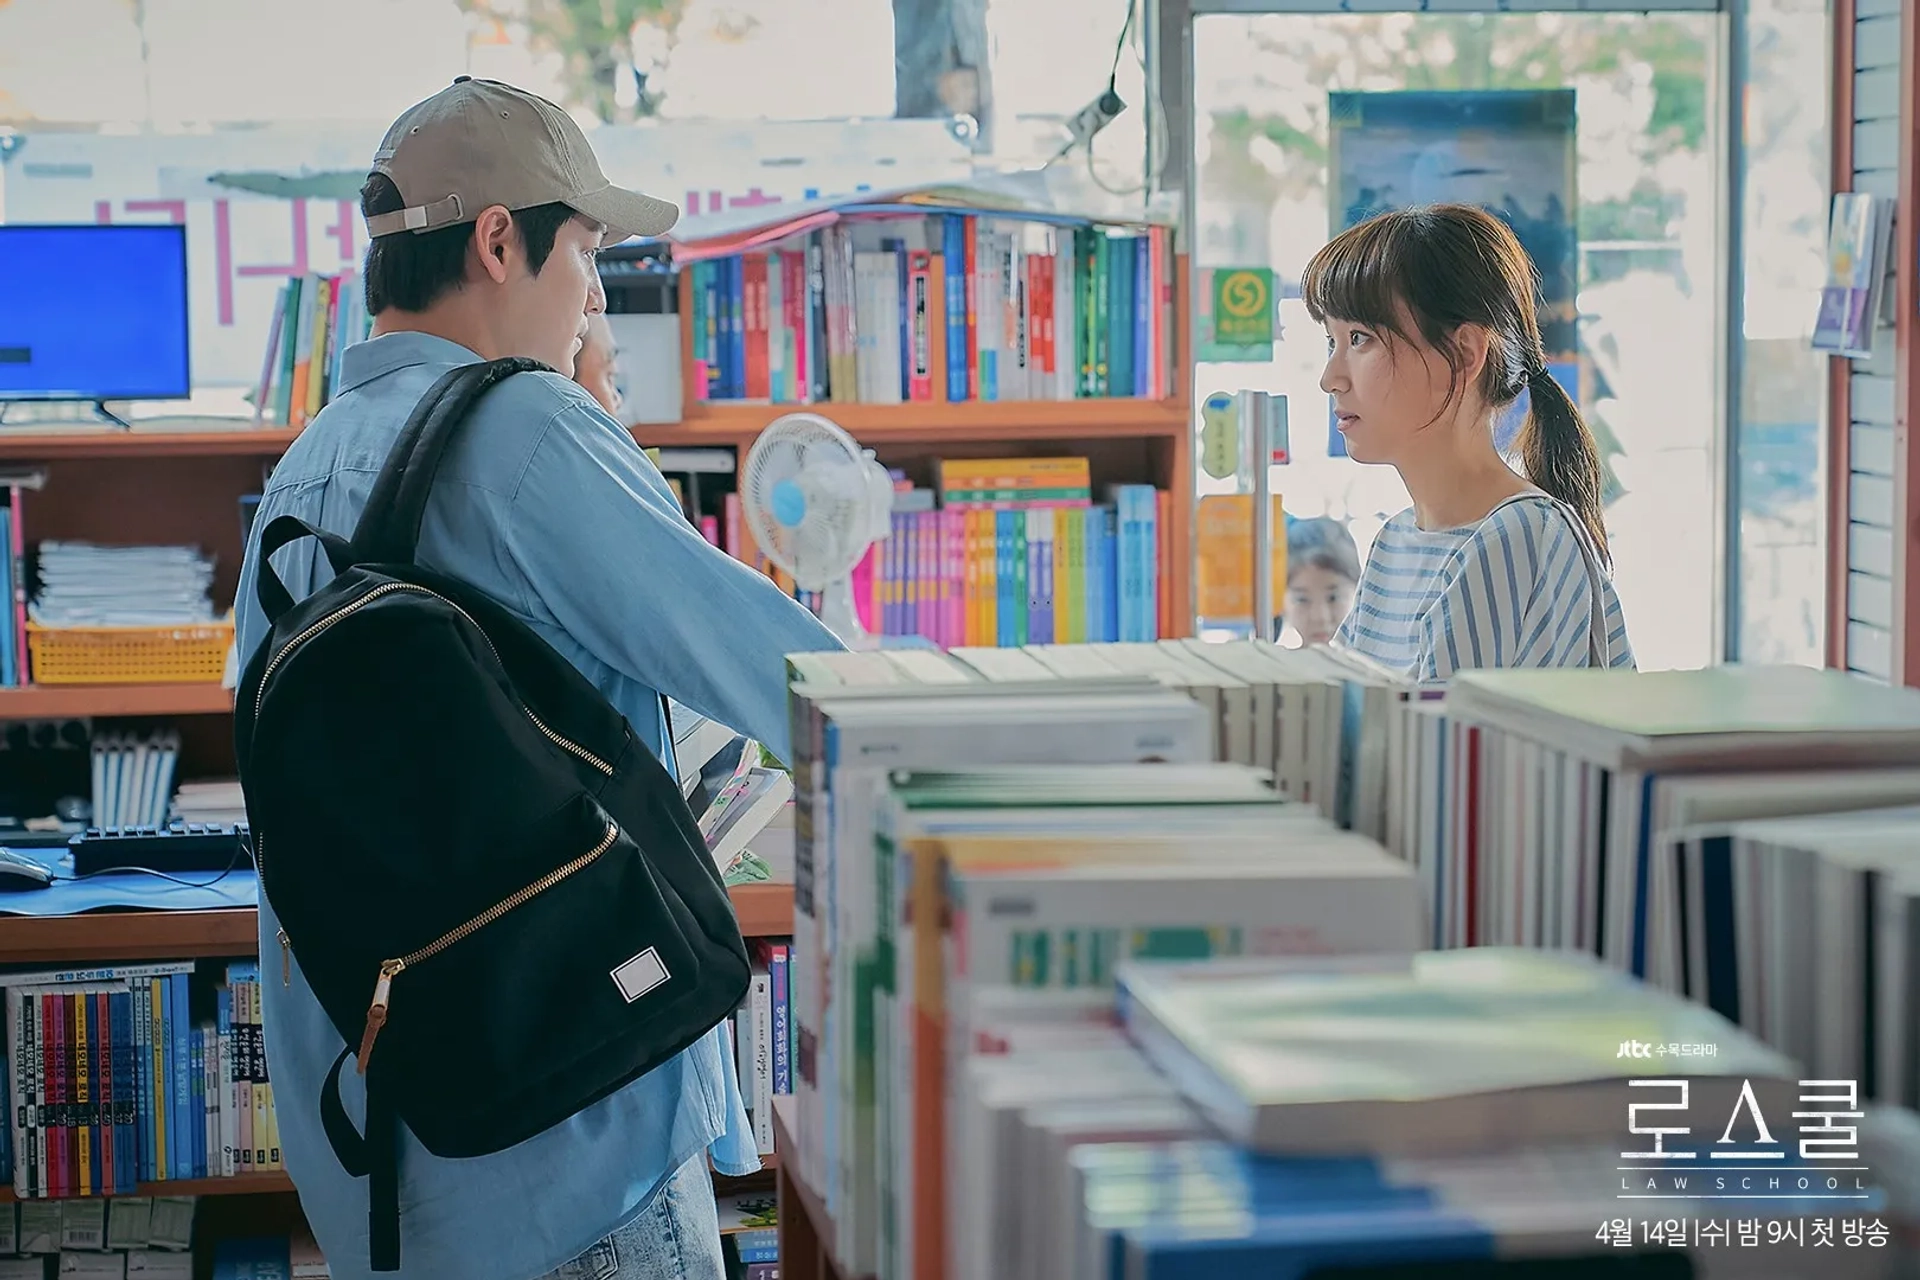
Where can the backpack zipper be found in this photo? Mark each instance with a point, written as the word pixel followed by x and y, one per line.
pixel 390 969
pixel 322 624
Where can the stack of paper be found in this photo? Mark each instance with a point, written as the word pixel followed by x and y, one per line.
pixel 213 801
pixel 84 585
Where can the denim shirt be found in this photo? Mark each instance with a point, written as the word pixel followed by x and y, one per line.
pixel 546 504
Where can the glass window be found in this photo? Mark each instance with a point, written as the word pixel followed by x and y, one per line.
pixel 1782 461
pixel 178 110
pixel 1641 183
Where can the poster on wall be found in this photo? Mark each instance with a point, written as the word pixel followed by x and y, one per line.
pixel 1510 151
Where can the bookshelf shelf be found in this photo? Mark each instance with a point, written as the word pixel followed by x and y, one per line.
pixel 245 1184
pixel 933 423
pixel 109 936
pixel 37 702
pixel 24 445
pixel 765 911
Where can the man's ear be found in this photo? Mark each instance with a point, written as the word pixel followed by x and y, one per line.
pixel 495 242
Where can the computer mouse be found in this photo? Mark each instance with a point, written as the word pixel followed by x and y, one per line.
pixel 19 872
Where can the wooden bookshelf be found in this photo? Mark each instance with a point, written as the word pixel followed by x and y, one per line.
pixel 243 1184
pixel 1124 438
pixel 806 1232
pixel 764 910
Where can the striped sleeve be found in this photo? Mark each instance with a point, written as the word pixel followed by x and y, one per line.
pixel 1517 595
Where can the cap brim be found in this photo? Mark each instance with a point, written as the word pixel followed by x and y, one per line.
pixel 627 213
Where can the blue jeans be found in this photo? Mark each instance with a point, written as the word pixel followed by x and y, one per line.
pixel 677 1237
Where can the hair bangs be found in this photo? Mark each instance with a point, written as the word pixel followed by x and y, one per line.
pixel 1359 276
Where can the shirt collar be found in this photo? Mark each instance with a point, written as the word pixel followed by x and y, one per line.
pixel 362 362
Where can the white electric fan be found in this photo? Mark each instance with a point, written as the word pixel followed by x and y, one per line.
pixel 815 501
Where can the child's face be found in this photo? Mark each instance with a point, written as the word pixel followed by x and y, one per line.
pixel 1317 602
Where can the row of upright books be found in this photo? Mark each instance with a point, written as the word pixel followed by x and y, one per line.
pixel 121 1075
pixel 1202 912
pixel 133 773
pixel 763 1037
pixel 315 318
pixel 1009 552
pixel 936 307
pixel 14 663
pixel 1742 837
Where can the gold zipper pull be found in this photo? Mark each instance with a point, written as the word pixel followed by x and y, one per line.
pixel 286 958
pixel 377 1011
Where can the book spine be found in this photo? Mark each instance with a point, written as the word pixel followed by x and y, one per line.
pixel 920 322
pixel 17 607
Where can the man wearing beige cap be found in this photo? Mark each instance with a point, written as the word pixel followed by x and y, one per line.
pixel 486 207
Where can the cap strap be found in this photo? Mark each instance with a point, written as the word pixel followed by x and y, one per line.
pixel 419 217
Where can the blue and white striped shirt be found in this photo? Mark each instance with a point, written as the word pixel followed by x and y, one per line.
pixel 1510 591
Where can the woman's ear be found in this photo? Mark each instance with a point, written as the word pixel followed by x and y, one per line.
pixel 1471 345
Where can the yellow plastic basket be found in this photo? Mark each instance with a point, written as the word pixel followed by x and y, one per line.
pixel 129 655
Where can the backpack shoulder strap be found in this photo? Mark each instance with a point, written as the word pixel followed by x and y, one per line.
pixel 272 593
pixel 389 528
pixel 1599 650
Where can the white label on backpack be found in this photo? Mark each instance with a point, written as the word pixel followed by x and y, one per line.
pixel 640 975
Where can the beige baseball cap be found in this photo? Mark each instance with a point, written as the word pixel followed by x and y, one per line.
pixel 478 143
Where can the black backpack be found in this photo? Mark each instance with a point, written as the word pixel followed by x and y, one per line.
pixel 495 890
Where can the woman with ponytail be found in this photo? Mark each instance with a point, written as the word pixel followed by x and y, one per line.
pixel 1431 332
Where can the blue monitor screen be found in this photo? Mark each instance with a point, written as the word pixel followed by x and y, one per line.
pixel 90 312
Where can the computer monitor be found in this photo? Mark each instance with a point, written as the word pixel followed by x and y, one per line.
pixel 93 312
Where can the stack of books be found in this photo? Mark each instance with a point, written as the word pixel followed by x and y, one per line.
pixel 1446 1110
pixel 1159 849
pixel 1106 965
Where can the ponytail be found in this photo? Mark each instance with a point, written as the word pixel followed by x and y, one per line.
pixel 1560 455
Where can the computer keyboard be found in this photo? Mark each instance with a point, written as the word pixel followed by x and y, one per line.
pixel 179 846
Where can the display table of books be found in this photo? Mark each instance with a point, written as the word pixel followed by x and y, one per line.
pixel 1172 961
